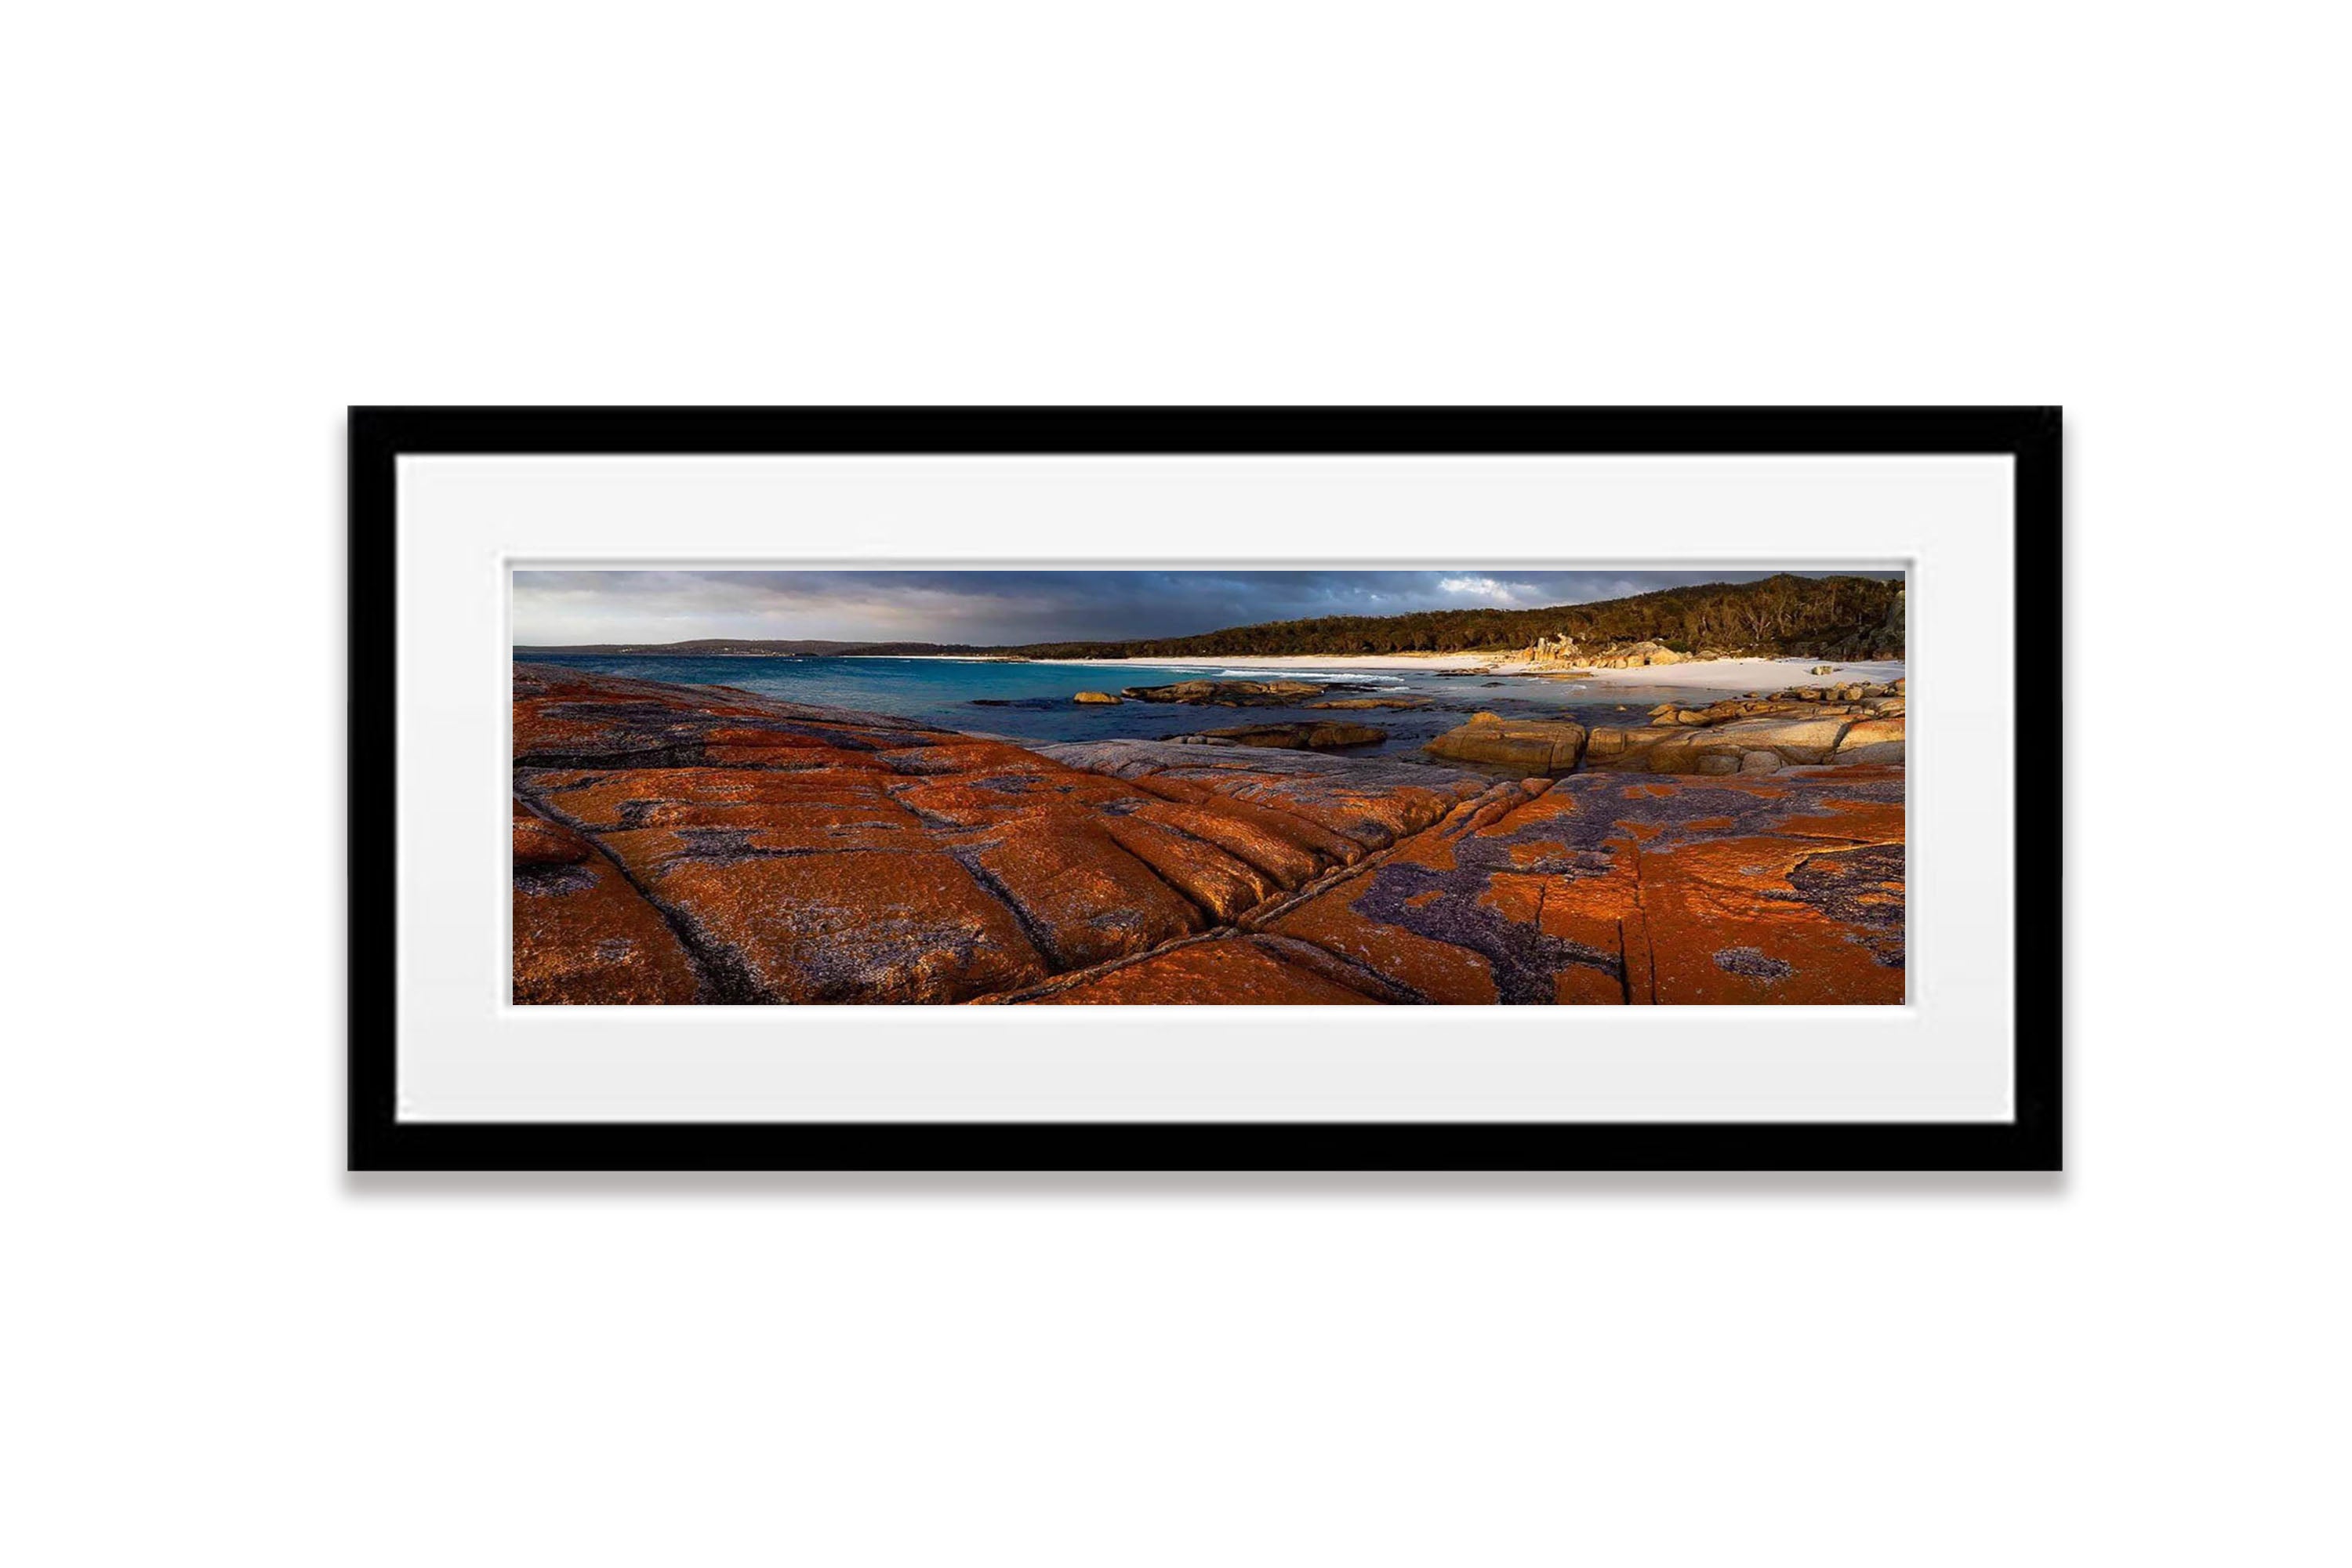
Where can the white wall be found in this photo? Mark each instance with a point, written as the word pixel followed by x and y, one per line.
pixel 226 221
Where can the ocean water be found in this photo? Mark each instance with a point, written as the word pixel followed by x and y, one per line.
pixel 960 694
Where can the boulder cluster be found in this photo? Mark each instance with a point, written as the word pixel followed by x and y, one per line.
pixel 1753 734
pixel 1562 653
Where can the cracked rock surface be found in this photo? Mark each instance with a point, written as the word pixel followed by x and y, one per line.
pixel 802 854
pixel 700 844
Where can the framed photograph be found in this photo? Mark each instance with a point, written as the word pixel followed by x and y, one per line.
pixel 1204 789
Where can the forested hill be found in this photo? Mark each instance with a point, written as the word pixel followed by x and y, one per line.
pixel 1838 616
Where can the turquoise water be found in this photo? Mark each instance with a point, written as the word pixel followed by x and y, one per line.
pixel 948 692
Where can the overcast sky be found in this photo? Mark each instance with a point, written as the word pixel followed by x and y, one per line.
pixel 995 607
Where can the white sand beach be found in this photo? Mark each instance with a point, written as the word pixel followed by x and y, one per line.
pixel 1724 674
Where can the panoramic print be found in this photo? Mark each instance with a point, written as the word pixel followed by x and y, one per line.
pixel 1337 787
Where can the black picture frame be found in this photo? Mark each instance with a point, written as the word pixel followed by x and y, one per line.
pixel 380 1141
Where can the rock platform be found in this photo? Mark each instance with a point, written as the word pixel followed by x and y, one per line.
pixel 678 845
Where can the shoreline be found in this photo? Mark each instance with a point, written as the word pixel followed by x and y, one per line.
pixel 1724 674
pixel 1730 676
pixel 1702 675
pixel 1467 661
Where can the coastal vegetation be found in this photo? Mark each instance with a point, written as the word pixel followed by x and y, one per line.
pixel 1836 617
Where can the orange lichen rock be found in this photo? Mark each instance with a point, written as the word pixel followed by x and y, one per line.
pixel 897 925
pixel 1081 897
pixel 1230 971
pixel 1684 890
pixel 1782 919
pixel 814 855
pixel 1221 887
pixel 1429 969
pixel 582 934
pixel 1370 801
pixel 681 844
pixel 1287 832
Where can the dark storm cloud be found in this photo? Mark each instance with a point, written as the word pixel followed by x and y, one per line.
pixel 996 607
